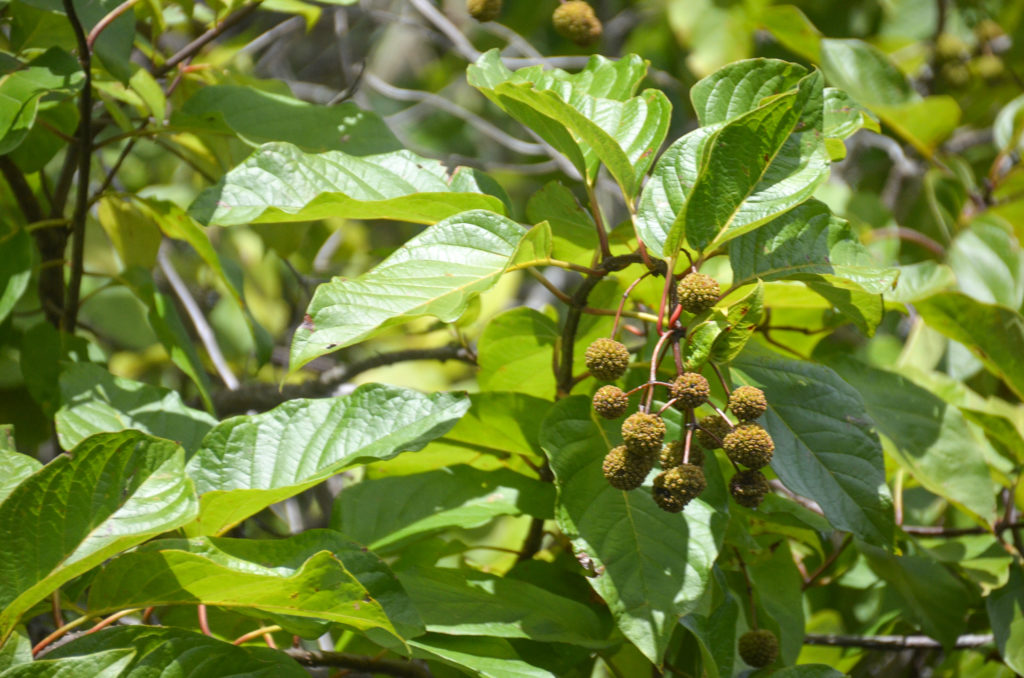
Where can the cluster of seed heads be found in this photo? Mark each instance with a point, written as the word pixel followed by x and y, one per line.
pixel 574 19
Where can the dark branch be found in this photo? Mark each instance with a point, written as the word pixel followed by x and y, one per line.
pixel 391 667
pixel 939 531
pixel 896 643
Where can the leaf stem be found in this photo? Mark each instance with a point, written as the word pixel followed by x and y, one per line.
pixel 595 210
pixel 263 630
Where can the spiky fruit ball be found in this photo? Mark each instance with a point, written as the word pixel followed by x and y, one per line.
pixel 759 648
pixel 625 470
pixel 698 292
pixel 749 488
pixel 611 402
pixel 690 390
pixel 607 359
pixel 677 487
pixel 750 445
pixel 747 403
pixel 576 20
pixel 643 433
pixel 712 431
pixel 484 10
pixel 672 455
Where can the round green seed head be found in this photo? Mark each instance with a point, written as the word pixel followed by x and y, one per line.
pixel 759 648
pixel 747 403
pixel 698 292
pixel 576 21
pixel 690 390
pixel 484 10
pixel 672 455
pixel 749 445
pixel 607 359
pixel 677 487
pixel 712 431
pixel 749 488
pixel 625 470
pixel 643 433
pixel 611 402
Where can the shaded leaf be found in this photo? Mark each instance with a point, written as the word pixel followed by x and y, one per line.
pixel 55 72
pixel 515 353
pixel 107 664
pixel 574 235
pixel 16 258
pixel 484 656
pixel 1006 615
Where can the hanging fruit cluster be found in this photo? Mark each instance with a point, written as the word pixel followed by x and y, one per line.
pixel 746 444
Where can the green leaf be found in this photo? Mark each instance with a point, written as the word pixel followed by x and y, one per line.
pixel 16 257
pixel 863 308
pixel 716 630
pixel 95 401
pixel 108 664
pixel 843 117
pixel 803 244
pixel 114 491
pixel 742 318
pixel 574 235
pixel 647 580
pixel 468 602
pixel 436 273
pixel 920 280
pixel 623 132
pixel 166 324
pixel 994 334
pixel 701 341
pixel 932 597
pixel 259 117
pixel 385 513
pixel 757 167
pixel 17 650
pixel 53 73
pixel 161 650
pixel 929 438
pixel 515 353
pixel 483 656
pixel 808 671
pixel 779 589
pixel 794 31
pixel 872 79
pixel 280 183
pixel 825 449
pixel 135 237
pixel 1008 128
pixel 248 463
pixel 306 575
pixel 16 466
pixel 1006 615
pixel 741 87
pixel 988 264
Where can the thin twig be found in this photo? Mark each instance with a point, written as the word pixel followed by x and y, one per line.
pixel 896 643
pixel 371 665
pixel 102 24
pixel 263 630
pixel 193 47
pixel 827 563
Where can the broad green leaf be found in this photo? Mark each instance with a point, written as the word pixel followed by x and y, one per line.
pixel 115 490
pixel 106 664
pixel 623 132
pixel 303 576
pixel 95 401
pixel 791 27
pixel 16 257
pixel 808 671
pixel 145 85
pixel 647 580
pixel 468 602
pixel 863 308
pixel 994 334
pixel 988 264
pixel 516 352
pixel 280 183
pixel 701 341
pixel 742 318
pixel 842 118
pixel 932 597
pixel 573 233
pixel 803 244
pixel 1006 615
pixel 169 329
pixel 779 590
pixel 16 466
pixel 260 117
pixel 161 650
pixel 825 449
pixel 56 120
pixel 1000 431
pixel 929 438
pixel 384 513
pixel 534 249
pixel 53 73
pixel 872 79
pixel 741 87
pixel 436 273
pixel 135 237
pixel 1008 128
pixel 17 650
pixel 247 463
pixel 715 631
pixel 919 281
pixel 757 166
pixel 484 656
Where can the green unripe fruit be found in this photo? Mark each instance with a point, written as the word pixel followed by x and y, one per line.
pixel 988 30
pixel 750 445
pixel 690 390
pixel 672 455
pixel 677 487
pixel 988 66
pixel 625 470
pixel 611 402
pixel 576 21
pixel 747 403
pixel 759 648
pixel 698 292
pixel 712 431
pixel 607 359
pixel 484 10
pixel 643 433
pixel 749 488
